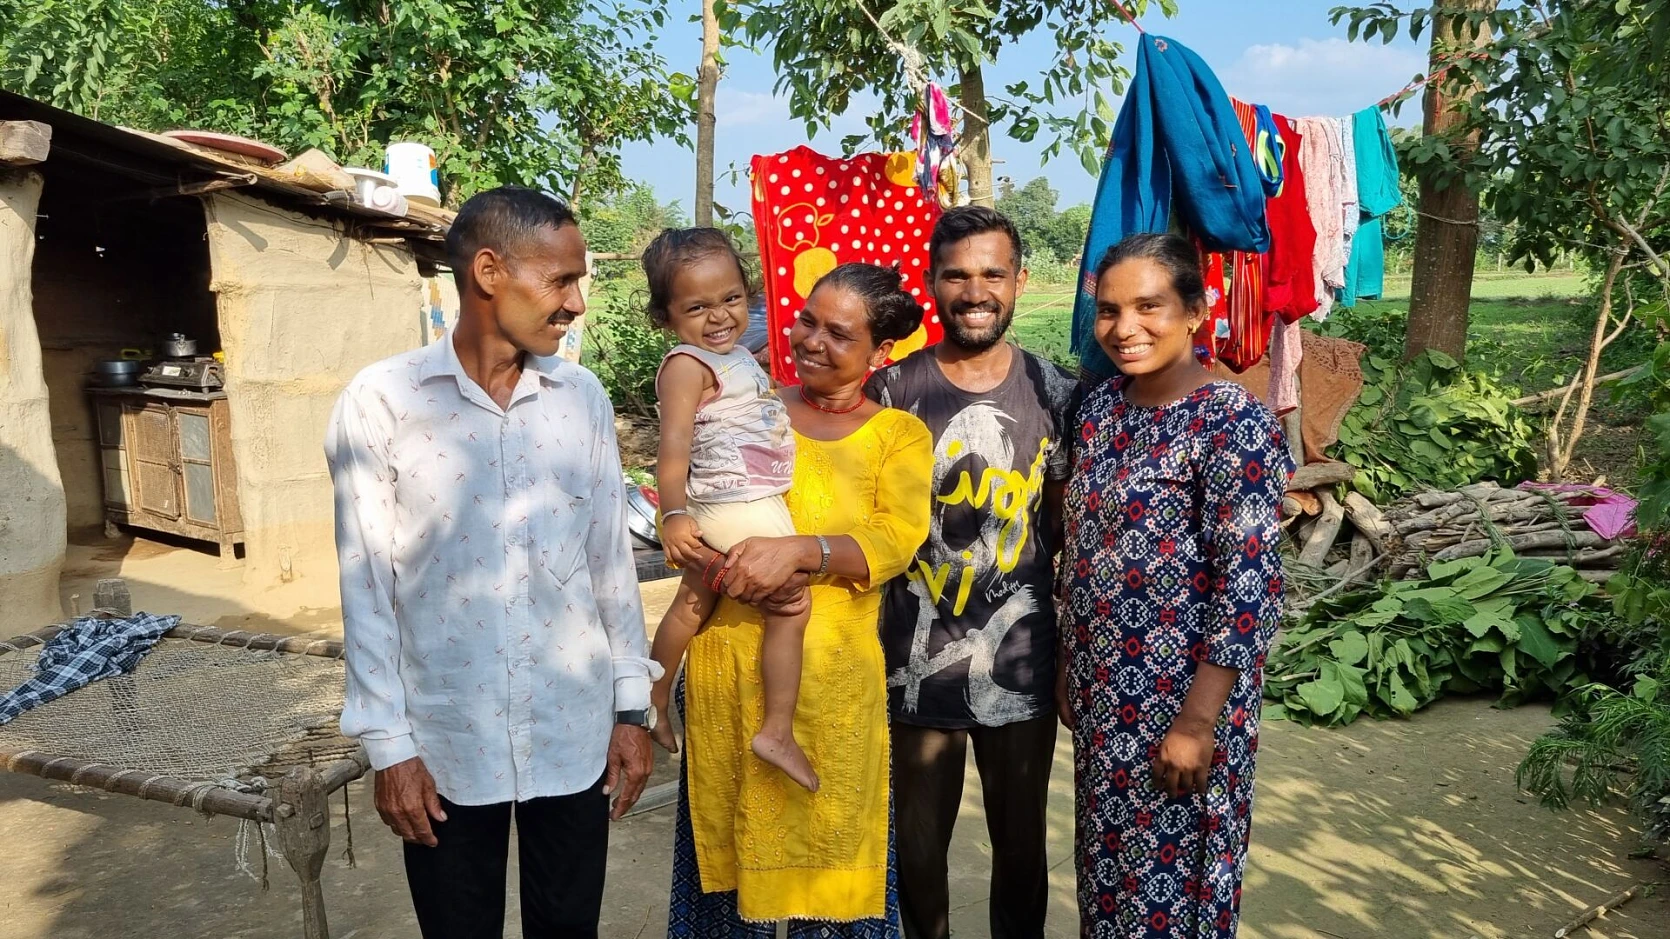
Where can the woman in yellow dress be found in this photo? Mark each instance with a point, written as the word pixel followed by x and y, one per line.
pixel 752 847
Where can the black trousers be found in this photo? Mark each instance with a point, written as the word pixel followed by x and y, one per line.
pixel 458 886
pixel 1014 763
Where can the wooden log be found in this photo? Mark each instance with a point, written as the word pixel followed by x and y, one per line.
pixel 1308 502
pixel 266 642
pixel 1541 539
pixel 1598 910
pixel 1434 499
pixel 1368 519
pixel 1363 550
pixel 24 143
pixel 1588 557
pixel 336 775
pixel 304 837
pixel 1313 475
pixel 1597 575
pixel 145 785
pixel 1290 508
pixel 295 645
pixel 1326 530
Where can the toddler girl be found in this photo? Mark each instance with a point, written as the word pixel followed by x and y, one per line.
pixel 726 458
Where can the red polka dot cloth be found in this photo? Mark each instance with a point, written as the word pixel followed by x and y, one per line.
pixel 814 213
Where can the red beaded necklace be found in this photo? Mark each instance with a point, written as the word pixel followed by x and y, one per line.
pixel 818 407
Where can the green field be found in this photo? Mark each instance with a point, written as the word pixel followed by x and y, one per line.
pixel 1533 328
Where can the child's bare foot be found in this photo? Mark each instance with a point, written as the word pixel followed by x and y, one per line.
pixel 786 755
pixel 663 732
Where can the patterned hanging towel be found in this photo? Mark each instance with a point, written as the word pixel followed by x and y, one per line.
pixel 813 213
pixel 935 144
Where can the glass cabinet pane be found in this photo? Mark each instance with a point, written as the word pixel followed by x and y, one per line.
pixel 200 492
pixel 194 436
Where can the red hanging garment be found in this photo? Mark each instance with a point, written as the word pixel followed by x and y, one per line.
pixel 813 213
pixel 1290 266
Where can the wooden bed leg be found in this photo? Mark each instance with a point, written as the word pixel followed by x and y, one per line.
pixel 304 835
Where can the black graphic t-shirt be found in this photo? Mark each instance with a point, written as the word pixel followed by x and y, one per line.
pixel 969 631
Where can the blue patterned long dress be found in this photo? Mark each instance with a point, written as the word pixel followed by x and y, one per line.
pixel 1170 560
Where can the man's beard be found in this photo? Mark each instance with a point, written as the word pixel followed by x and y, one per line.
pixel 982 338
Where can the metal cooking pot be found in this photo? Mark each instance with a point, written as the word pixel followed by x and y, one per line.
pixel 117 373
pixel 641 509
pixel 177 346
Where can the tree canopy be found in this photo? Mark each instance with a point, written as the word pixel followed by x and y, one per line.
pixel 535 92
pixel 827 51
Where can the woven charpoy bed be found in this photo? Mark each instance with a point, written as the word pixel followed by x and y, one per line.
pixel 227 723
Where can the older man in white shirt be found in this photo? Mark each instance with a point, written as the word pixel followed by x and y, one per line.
pixel 496 649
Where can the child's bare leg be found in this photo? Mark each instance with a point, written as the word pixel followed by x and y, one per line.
pixel 781 652
pixel 692 605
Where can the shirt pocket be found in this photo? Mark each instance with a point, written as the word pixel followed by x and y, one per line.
pixel 567 495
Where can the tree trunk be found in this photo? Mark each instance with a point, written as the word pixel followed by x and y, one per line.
pixel 977 137
pixel 1562 446
pixel 707 85
pixel 1447 230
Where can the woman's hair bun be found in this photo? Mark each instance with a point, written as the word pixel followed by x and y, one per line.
pixel 894 314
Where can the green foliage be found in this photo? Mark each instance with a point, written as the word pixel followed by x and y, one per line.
pixel 536 92
pixel 1426 423
pixel 1571 115
pixel 624 222
pixel 1052 239
pixel 1610 731
pixel 1498 623
pixel 826 51
pixel 621 347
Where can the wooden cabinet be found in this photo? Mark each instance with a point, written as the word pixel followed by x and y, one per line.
pixel 167 458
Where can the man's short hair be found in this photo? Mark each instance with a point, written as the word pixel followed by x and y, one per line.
pixel 504 220
pixel 966 221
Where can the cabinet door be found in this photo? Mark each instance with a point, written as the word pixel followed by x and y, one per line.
pixel 197 464
pixel 113 455
pixel 156 482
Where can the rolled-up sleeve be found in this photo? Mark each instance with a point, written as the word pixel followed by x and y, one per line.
pixel 374 706
pixel 1245 471
pixel 899 524
pixel 614 572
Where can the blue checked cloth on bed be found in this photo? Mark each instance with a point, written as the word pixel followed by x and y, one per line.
pixel 86 651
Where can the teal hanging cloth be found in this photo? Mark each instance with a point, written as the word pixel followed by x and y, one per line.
pixel 1178 140
pixel 1377 194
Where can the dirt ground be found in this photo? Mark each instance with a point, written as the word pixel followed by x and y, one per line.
pixel 1409 829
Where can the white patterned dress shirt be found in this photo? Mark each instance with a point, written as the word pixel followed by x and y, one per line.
pixel 489 596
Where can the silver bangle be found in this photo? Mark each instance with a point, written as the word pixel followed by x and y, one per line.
pixel 669 513
pixel 823 565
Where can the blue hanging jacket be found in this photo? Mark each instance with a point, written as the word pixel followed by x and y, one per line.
pixel 1177 139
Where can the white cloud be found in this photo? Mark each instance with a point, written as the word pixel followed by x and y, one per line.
pixel 1323 76
pixel 737 108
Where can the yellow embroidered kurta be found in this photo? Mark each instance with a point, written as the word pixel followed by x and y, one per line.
pixel 788 853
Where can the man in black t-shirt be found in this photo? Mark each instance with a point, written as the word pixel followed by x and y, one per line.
pixel 969 632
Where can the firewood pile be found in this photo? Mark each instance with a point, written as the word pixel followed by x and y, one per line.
pixel 1351 540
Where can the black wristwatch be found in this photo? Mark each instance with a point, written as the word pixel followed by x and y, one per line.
pixel 639 718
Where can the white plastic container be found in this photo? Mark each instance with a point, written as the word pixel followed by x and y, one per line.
pixel 415 172
pixel 368 181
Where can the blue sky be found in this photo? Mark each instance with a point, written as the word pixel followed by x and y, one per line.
pixel 1282 53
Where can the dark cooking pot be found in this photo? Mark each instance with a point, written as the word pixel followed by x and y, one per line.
pixel 117 373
